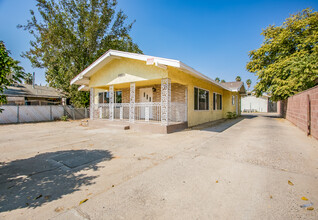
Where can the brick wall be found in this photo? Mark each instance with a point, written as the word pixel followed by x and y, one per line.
pixel 297 110
pixel 177 93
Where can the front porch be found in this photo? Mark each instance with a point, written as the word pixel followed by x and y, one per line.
pixel 141 105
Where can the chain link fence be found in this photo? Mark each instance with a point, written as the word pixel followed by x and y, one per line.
pixel 38 113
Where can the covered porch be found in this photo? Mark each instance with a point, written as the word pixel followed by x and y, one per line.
pixel 157 102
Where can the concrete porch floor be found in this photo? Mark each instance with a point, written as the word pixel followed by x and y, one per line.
pixel 138 125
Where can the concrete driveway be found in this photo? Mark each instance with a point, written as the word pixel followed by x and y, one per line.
pixel 254 167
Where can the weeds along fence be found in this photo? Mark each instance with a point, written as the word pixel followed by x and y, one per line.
pixel 39 113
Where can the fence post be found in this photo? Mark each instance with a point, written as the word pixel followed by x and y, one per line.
pixel 51 112
pixel 308 115
pixel 18 114
pixel 73 113
pixel 85 113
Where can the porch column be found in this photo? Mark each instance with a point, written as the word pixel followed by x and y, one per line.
pixel 91 103
pixel 165 100
pixel 186 104
pixel 111 102
pixel 132 103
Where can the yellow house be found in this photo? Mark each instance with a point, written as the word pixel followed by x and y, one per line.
pixel 153 93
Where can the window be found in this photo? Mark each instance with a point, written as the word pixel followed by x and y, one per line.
pixel 233 100
pixel 103 97
pixel 118 97
pixel 201 99
pixel 217 101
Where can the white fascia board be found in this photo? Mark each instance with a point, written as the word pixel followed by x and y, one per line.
pixel 197 73
pixel 80 81
pixel 89 68
pixel 157 60
pixel 118 54
pixel 142 57
pixel 83 88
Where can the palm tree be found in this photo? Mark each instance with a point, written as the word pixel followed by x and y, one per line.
pixel 238 79
pixel 217 79
pixel 222 81
pixel 248 83
pixel 28 78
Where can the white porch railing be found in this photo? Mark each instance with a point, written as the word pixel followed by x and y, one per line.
pixel 179 112
pixel 146 111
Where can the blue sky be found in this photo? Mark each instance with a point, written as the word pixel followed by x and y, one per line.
pixel 214 37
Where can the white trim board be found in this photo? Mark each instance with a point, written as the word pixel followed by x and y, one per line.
pixel 83 77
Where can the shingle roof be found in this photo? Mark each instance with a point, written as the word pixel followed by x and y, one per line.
pixel 233 85
pixel 23 90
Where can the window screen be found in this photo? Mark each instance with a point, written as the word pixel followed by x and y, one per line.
pixel 201 99
pixel 217 101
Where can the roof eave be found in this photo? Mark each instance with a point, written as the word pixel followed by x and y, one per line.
pixel 190 69
pixel 116 53
pixel 83 78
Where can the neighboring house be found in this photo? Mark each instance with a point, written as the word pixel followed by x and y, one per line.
pixel 251 103
pixel 23 94
pixel 165 93
pixel 236 86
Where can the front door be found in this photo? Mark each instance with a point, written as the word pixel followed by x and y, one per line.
pixel 146 95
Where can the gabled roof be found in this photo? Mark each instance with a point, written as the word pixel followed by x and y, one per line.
pixel 83 77
pixel 234 86
pixel 24 90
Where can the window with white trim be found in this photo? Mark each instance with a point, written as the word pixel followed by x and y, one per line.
pixel 103 97
pixel 217 101
pixel 118 96
pixel 201 99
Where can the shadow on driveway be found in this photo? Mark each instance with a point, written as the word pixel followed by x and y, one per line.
pixel 46 177
pixel 222 125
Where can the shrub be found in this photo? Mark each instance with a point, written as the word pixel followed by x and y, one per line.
pixel 64 118
pixel 234 115
pixel 229 115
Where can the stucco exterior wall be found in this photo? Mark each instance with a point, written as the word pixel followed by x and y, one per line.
pixel 196 117
pixel 125 71
pixel 121 72
pixel 228 105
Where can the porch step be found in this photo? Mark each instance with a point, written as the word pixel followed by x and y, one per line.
pixel 99 123
pixel 137 126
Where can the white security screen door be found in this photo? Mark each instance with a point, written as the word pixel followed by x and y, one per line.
pixel 146 95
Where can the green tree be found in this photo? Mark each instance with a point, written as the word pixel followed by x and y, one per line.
pixel 10 71
pixel 217 79
pixel 222 81
pixel 238 79
pixel 248 83
pixel 71 34
pixel 287 61
pixel 28 79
